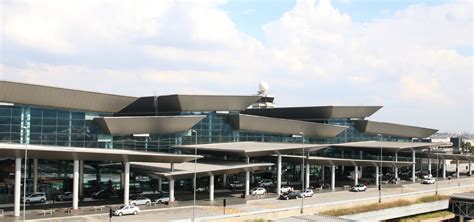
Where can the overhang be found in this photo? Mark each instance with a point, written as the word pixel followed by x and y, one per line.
pixel 183 103
pixel 447 156
pixel 118 126
pixel 186 170
pixel 316 112
pixel 8 150
pixel 391 129
pixel 48 96
pixel 325 161
pixel 261 124
pixel 387 145
pixel 252 149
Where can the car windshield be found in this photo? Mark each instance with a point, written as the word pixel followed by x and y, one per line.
pixel 121 206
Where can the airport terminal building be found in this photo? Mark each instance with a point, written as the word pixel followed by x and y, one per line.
pixel 85 142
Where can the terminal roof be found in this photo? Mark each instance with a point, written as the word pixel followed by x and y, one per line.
pixel 387 145
pixel 253 149
pixel 392 129
pixel 317 160
pixel 8 150
pixel 316 112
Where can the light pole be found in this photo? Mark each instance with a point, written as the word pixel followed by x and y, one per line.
pixel 195 173
pixel 437 173
pixel 381 171
pixel 24 175
pixel 303 181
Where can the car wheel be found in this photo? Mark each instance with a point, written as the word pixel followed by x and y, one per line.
pixel 43 200
pixel 27 201
pixel 147 203
pixel 135 213
pixel 160 202
pixel 120 214
pixel 134 204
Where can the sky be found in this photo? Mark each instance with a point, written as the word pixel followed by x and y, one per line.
pixel 415 58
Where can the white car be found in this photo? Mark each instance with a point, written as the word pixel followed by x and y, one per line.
pixel 286 189
pixel 307 193
pixel 266 183
pixel 201 189
pixel 428 181
pixel 140 201
pixel 359 188
pixel 38 197
pixel 258 191
pixel 126 209
pixel 163 199
pixel 237 184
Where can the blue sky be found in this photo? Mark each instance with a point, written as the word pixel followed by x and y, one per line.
pixel 415 58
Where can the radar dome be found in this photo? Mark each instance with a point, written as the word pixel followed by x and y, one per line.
pixel 263 86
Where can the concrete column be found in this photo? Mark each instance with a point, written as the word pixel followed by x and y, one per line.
pixel 81 179
pixel 302 173
pixel 247 180
pixel 356 175
pixel 413 168
pixel 322 172
pixel 377 178
pixel 224 177
pixel 160 184
pixel 35 175
pixel 457 168
pixel 307 184
pixel 16 202
pixel 429 166
pixel 444 169
pixel 342 156
pixel 396 168
pixel 361 167
pixel 211 188
pixel 333 177
pixel 469 168
pixel 75 185
pixel 126 185
pixel 279 174
pixel 171 192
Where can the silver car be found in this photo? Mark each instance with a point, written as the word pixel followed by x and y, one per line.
pixel 140 201
pixel 126 209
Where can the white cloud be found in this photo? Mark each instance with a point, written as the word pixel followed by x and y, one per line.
pixel 312 54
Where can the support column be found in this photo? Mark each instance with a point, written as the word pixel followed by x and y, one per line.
pixel 429 166
pixel 81 179
pixel 126 185
pixel 307 184
pixel 322 172
pixel 160 184
pixel 35 175
pixel 333 177
pixel 356 175
pixel 361 167
pixel 75 185
pixel 224 177
pixel 469 168
pixel 444 169
pixel 278 174
pixel 377 177
pixel 171 185
pixel 396 168
pixel 457 168
pixel 211 188
pixel 302 174
pixel 413 168
pixel 16 202
pixel 247 180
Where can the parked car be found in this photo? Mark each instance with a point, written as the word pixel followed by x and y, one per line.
pixel 428 181
pixel 290 195
pixel 126 209
pixel 265 183
pixel 258 191
pixel 359 188
pixel 286 189
pixel 140 201
pixel 163 199
pixel 201 188
pixel 38 197
pixel 103 194
pixel 65 196
pixel 237 184
pixel 307 193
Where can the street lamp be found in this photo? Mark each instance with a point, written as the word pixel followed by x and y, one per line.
pixel 24 175
pixel 437 173
pixel 381 170
pixel 302 169
pixel 195 173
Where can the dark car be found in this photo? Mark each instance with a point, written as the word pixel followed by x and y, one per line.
pixel 65 196
pixel 290 195
pixel 103 194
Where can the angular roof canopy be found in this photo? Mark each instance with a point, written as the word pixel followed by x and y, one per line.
pixel 147 124
pixel 179 103
pixel 447 156
pixel 317 160
pixel 252 149
pixel 387 145
pixel 186 169
pixel 283 126
pixel 48 96
pixel 9 150
pixel 392 129
pixel 316 112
